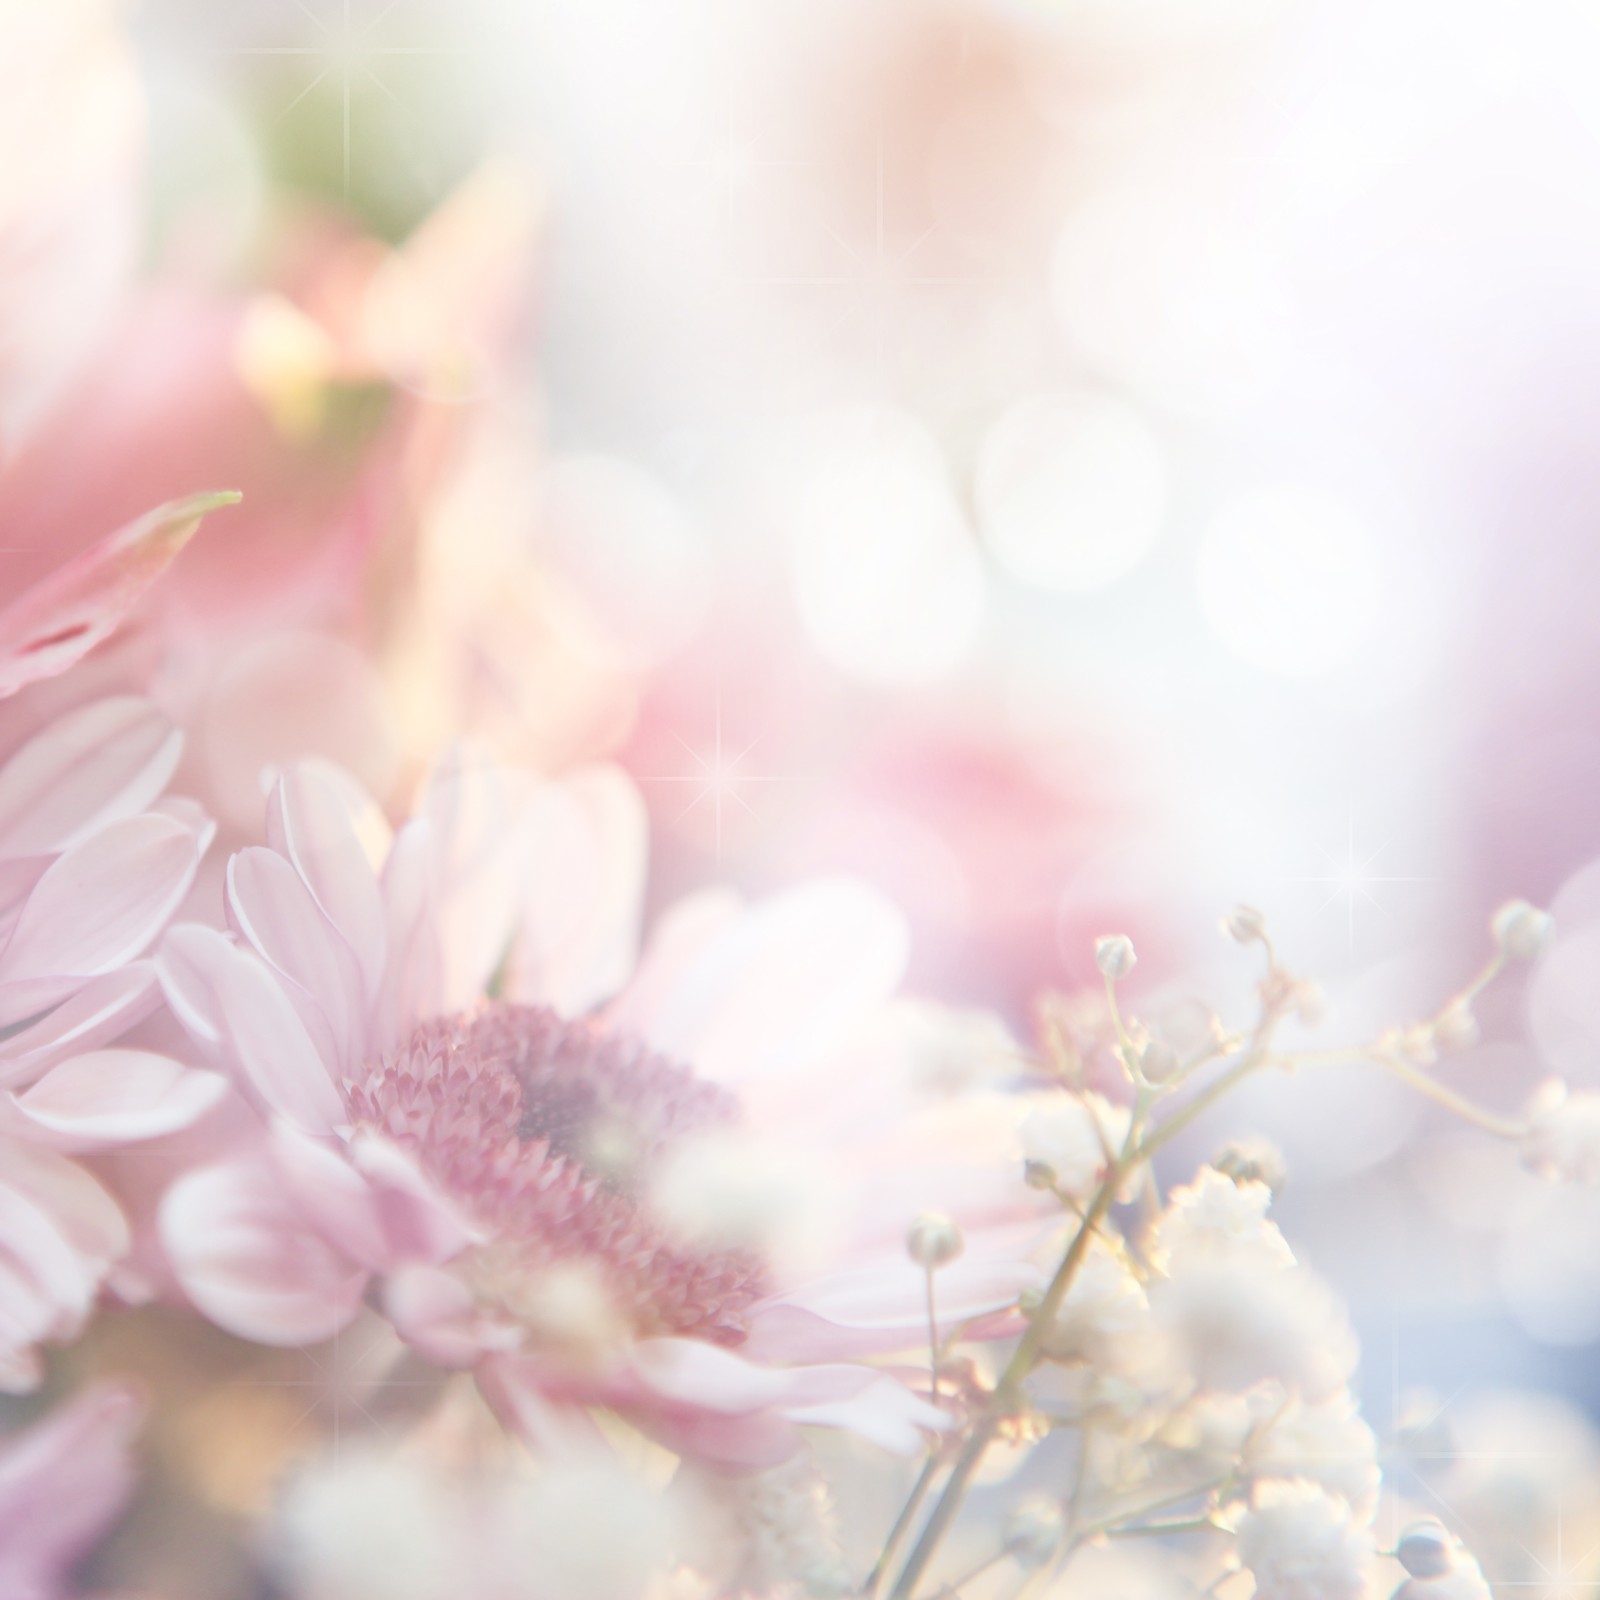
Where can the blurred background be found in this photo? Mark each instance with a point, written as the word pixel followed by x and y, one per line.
pixel 1078 463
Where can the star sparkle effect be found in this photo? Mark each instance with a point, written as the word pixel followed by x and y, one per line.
pixel 347 49
pixel 1353 877
pixel 718 775
pixel 349 1381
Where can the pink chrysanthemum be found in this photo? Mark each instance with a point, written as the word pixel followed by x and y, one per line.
pixel 453 1119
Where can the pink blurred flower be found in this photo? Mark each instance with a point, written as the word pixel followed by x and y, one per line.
pixel 68 204
pixel 94 860
pixel 518 1175
pixel 63 1483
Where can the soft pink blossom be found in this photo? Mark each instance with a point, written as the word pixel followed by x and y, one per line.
pixel 63 1483
pixel 487 1166
pixel 94 861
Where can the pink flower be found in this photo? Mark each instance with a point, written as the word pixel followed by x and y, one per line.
pixel 63 1482
pixel 499 1168
pixel 93 863
pixel 68 206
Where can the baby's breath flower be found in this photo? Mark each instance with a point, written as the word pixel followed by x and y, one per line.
pixel 1219 1218
pixel 1245 925
pixel 1253 1161
pixel 1104 1318
pixel 1522 930
pixel 1425 1549
pixel 934 1241
pixel 1302 1543
pixel 1073 1136
pixel 1563 1137
pixel 1113 954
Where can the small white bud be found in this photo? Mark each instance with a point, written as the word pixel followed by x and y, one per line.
pixel 1038 1175
pixel 1253 1161
pixel 1521 930
pixel 1158 1061
pixel 1245 925
pixel 934 1241
pixel 1033 1531
pixel 1426 1550
pixel 1455 1028
pixel 1113 954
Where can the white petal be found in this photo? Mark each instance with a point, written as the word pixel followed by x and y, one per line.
pixel 94 765
pixel 111 1097
pixel 251 1263
pixel 102 902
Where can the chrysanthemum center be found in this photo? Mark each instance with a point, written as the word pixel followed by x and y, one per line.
pixel 551 1133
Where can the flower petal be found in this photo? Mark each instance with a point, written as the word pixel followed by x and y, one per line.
pixel 100 762
pixel 231 1001
pixel 251 1262
pixel 103 1008
pixel 61 619
pixel 880 1306
pixel 780 985
pixel 101 902
pixel 271 908
pixel 112 1097
pixel 309 822
pixel 579 932
pixel 413 981
pixel 62 1483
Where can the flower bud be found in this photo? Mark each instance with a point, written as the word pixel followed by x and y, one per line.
pixel 1113 954
pixel 1245 925
pixel 934 1241
pixel 1038 1175
pixel 1426 1550
pixel 1033 1531
pixel 1158 1061
pixel 1253 1161
pixel 1521 930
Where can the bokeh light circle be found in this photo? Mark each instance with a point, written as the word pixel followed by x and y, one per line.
pixel 1289 580
pixel 1071 491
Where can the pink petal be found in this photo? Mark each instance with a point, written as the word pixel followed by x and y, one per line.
pixel 687 1372
pixel 682 935
pixel 231 1001
pixel 251 1262
pixel 436 1313
pixel 477 812
pixel 879 1307
pixel 369 1198
pixel 884 1413
pixel 781 985
pixel 309 821
pixel 112 1097
pixel 87 1216
pixel 46 1288
pixel 271 908
pixel 585 891
pixel 103 1008
pixel 101 902
pixel 103 761
pixel 19 877
pixel 65 616
pixel 413 982
pixel 63 1482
